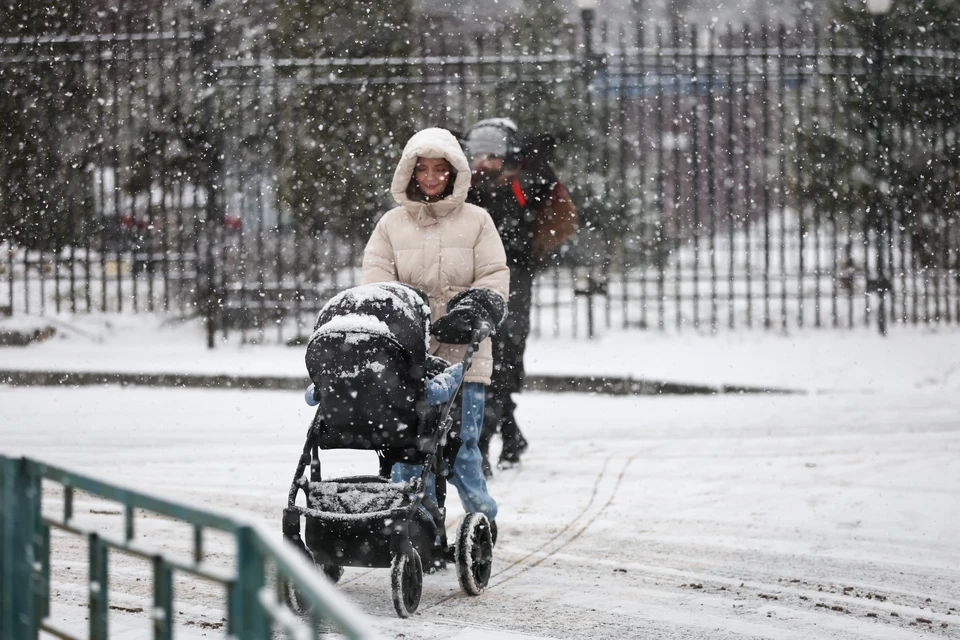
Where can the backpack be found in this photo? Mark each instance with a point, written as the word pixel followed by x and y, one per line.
pixel 538 186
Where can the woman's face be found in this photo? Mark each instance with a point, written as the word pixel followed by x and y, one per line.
pixel 432 176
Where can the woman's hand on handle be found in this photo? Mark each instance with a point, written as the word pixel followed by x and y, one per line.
pixel 466 312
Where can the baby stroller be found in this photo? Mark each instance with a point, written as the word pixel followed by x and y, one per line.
pixel 368 361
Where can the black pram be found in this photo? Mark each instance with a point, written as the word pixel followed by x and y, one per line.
pixel 368 360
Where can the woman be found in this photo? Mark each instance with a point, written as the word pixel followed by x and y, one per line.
pixel 443 246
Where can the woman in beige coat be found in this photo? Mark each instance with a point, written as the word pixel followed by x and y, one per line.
pixel 443 246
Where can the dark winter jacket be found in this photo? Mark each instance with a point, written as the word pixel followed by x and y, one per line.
pixel 513 205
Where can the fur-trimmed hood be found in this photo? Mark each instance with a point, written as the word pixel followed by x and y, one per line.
pixel 431 143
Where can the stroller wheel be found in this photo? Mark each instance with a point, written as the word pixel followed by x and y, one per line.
pixel 293 600
pixel 292 596
pixel 406 581
pixel 333 572
pixel 290 593
pixel 474 553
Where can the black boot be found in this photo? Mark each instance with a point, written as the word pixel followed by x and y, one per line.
pixel 522 444
pixel 514 444
pixel 485 465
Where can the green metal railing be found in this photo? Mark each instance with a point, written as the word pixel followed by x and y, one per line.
pixel 254 606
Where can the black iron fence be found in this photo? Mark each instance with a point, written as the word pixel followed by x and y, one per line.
pixel 771 177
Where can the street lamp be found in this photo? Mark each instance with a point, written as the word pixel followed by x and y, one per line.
pixel 588 10
pixel 882 227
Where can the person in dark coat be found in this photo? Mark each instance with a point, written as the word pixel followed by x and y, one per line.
pixel 534 215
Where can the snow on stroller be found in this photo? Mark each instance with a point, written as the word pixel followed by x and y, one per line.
pixel 368 361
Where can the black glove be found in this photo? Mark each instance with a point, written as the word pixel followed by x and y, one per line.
pixel 456 327
pixel 466 311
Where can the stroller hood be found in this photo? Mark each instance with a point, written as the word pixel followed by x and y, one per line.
pixel 367 360
pixel 359 322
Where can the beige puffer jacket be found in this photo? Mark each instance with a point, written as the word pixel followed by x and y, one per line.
pixel 440 248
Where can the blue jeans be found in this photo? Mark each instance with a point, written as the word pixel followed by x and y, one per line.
pixel 467 475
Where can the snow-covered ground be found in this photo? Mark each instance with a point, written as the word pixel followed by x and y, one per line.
pixel 826 515
pixel 814 516
pixel 816 360
pixel 830 515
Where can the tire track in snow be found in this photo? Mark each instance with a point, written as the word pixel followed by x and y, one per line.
pixel 852 599
pixel 523 568
pixel 538 556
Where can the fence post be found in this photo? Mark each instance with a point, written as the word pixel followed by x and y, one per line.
pixel 162 599
pixel 41 590
pixel 19 534
pixel 211 158
pixel 97 583
pixel 881 210
pixel 247 612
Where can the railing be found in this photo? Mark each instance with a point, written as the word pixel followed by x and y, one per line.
pixel 254 607
pixel 773 176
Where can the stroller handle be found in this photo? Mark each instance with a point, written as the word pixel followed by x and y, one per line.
pixel 480 333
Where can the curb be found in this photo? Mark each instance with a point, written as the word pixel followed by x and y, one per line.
pixel 637 387
pixel 187 381
pixel 554 384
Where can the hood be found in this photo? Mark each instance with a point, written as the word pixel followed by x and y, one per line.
pixel 431 143
pixel 353 326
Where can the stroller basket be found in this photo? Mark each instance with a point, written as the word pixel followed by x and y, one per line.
pixel 358 498
pixel 356 521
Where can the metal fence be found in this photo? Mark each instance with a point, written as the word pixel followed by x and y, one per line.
pixel 772 177
pixel 37 499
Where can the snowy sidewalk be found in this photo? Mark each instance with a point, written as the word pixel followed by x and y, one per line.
pixel 826 516
pixel 151 349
